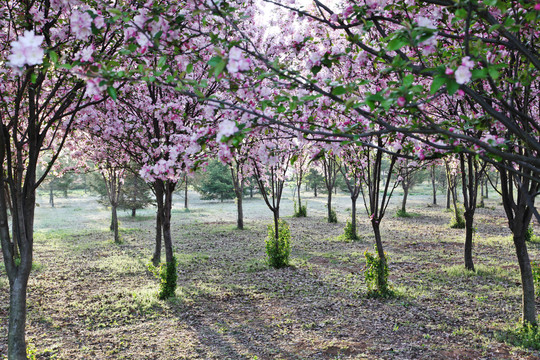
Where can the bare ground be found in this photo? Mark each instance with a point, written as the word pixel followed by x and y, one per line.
pixel 91 299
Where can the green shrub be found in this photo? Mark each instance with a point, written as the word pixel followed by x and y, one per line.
pixel 376 276
pixel 167 274
pixel 278 251
pixel 459 222
pixel 333 216
pixel 301 212
pixel 404 214
pixel 536 276
pixel 529 234
pixel 349 234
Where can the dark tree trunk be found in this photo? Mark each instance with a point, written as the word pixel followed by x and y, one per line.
pixel 353 217
pixel 186 192
pixel 448 196
pixel 518 202
pixel 404 200
pixel 251 191
pixel 158 190
pixel 380 251
pixel 51 196
pixel 527 281
pixel 133 212
pixel 240 212
pixel 276 224
pixel 298 192
pixel 329 205
pixel 315 190
pixel 434 188
pixel 487 191
pixel 114 223
pixel 469 232
pixel 167 209
pixel 17 317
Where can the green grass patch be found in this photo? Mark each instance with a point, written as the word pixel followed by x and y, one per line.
pixel 121 264
pixel 492 272
pixel 404 214
pixel 527 337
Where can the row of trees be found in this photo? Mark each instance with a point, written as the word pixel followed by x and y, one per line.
pixel 170 85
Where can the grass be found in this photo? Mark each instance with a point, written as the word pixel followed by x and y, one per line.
pixel 97 300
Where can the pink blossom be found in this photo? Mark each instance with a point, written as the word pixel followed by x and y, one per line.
pixel 85 55
pixel 93 89
pixel 237 61
pixel 81 24
pixel 467 62
pixel 449 71
pixel 401 101
pixel 537 7
pixel 26 50
pixel 463 74
pixel 226 128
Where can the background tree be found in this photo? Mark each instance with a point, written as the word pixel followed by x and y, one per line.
pixel 135 193
pixel 314 179
pixel 215 182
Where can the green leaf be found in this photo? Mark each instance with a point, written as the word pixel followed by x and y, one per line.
pixel 189 68
pixel 53 56
pixel 479 74
pixel 214 61
pixel 112 92
pixel 396 44
pixel 461 13
pixel 493 73
pixel 219 67
pixel 408 80
pixel 162 61
pixel 452 87
pixel 490 2
pixel 438 81
pixel 339 90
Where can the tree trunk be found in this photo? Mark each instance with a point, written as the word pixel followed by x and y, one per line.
pixel 404 201
pixel 298 188
pixel 433 185
pixel 17 317
pixel 381 284
pixel 448 196
pixel 251 191
pixel 487 192
pixel 186 193
pixel 469 232
pixel 315 191
pixel 133 212
pixel 114 224
pixel 276 224
pixel 240 210
pixel 528 296
pixel 167 209
pixel 51 196
pixel 353 217
pixel 329 205
pixel 158 189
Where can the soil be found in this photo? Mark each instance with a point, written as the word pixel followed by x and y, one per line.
pixel 89 298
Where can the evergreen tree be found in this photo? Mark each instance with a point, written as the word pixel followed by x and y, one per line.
pixel 135 194
pixel 215 182
pixel 314 180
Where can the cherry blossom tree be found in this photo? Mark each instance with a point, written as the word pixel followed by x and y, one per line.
pixel 48 46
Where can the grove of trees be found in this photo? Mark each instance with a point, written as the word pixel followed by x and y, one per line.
pixel 169 87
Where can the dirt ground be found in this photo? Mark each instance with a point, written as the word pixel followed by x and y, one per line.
pixel 91 299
